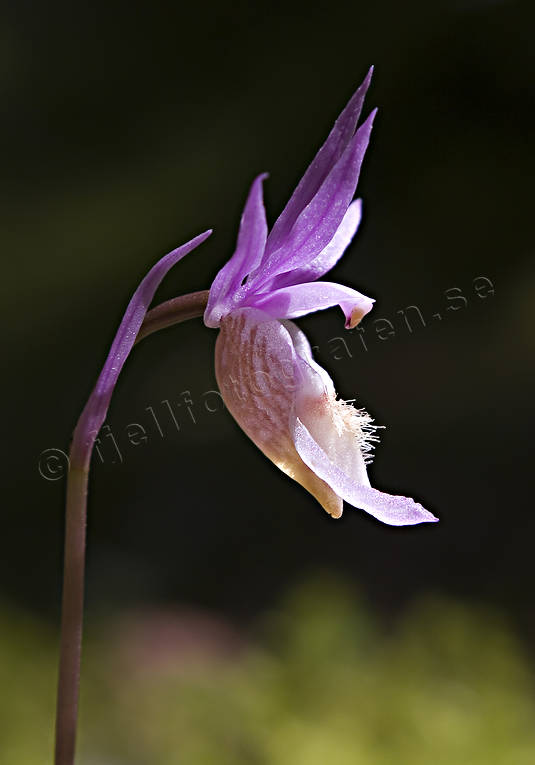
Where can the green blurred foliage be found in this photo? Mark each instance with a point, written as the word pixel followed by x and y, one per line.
pixel 319 682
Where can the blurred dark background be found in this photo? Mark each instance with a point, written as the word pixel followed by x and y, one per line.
pixel 128 129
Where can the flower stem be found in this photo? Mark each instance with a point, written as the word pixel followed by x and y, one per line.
pixel 71 615
pixel 173 311
pixel 86 431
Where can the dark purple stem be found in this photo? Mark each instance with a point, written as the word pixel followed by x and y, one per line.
pixel 72 608
pixel 173 311
pixel 135 325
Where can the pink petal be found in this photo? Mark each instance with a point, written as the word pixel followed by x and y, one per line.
pixel 97 405
pixel 321 165
pixel 300 299
pixel 255 373
pixel 287 405
pixel 394 510
pixel 328 257
pixel 342 431
pixel 320 219
pixel 225 289
pixel 318 381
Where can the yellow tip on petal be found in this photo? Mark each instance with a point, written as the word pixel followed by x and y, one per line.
pixel 357 314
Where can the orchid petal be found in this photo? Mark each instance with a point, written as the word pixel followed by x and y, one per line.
pixel 97 405
pixel 287 405
pixel 323 162
pixel 256 376
pixel 388 508
pixel 252 235
pixel 319 221
pixel 300 299
pixel 329 256
pixel 343 431
pixel 319 381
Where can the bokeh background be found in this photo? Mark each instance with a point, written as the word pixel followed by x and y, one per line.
pixel 229 619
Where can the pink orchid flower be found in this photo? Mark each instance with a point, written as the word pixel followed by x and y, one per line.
pixel 278 394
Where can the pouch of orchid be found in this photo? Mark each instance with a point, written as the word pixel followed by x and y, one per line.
pixel 271 384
